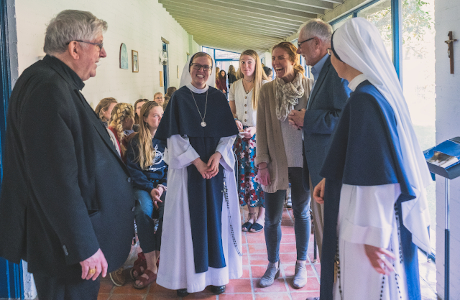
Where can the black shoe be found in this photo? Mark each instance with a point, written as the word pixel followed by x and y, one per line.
pixel 182 293
pixel 217 290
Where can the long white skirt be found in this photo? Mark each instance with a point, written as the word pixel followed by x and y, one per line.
pixel 177 267
pixel 367 216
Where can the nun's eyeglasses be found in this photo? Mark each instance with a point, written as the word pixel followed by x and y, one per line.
pixel 329 51
pixel 198 67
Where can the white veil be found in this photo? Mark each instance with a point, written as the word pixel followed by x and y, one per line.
pixel 186 78
pixel 357 42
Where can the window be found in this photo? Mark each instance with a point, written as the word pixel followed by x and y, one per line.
pixel 379 14
pixel 220 54
pixel 340 22
pixel 418 78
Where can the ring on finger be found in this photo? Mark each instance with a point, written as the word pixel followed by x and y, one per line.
pixel 92 271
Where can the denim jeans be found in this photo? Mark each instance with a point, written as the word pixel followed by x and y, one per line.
pixel 149 238
pixel 274 203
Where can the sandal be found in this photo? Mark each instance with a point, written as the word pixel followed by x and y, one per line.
pixel 247 226
pixel 145 282
pixel 256 227
pixel 139 266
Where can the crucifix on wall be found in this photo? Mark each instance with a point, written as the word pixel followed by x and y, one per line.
pixel 450 51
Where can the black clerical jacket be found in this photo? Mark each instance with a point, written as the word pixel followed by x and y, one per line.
pixel 65 191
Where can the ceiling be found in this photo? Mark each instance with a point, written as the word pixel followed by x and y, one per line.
pixel 237 25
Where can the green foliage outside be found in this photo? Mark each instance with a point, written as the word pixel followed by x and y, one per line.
pixel 416 22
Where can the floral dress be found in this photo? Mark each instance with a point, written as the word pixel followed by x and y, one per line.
pixel 249 189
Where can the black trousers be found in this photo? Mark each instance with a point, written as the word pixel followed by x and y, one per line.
pixel 66 287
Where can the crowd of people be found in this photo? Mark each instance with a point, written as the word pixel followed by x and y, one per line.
pixel 178 168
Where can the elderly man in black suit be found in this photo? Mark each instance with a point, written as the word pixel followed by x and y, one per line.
pixel 319 119
pixel 66 205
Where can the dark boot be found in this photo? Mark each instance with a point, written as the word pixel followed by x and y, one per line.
pixel 217 290
pixel 182 293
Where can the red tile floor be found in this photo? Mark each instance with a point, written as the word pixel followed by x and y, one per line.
pixel 254 264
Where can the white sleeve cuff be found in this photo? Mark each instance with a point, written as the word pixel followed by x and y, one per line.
pixel 366 214
pixel 225 148
pixel 179 153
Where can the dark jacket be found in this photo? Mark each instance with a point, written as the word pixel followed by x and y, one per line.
pixel 156 174
pixel 65 191
pixel 324 108
pixel 231 79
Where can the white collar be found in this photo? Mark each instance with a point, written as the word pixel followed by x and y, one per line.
pixel 197 90
pixel 356 81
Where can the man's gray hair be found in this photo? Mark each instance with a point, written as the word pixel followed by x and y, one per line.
pixel 71 25
pixel 318 28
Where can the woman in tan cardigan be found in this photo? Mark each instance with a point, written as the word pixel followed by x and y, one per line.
pixel 279 159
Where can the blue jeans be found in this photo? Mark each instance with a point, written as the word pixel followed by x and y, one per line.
pixel 148 229
pixel 274 203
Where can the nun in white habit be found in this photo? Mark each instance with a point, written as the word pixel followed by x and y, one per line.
pixel 376 212
pixel 201 241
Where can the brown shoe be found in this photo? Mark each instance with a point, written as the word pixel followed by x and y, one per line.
pixel 118 277
pixel 145 282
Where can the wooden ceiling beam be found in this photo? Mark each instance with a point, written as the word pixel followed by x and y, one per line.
pixel 217 19
pixel 219 8
pixel 236 48
pixel 263 7
pixel 276 5
pixel 255 27
pixel 225 29
pixel 239 38
pixel 312 3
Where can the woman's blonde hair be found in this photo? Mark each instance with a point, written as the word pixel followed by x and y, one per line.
pixel 291 49
pixel 102 107
pixel 259 75
pixel 136 117
pixel 231 70
pixel 121 112
pixel 146 150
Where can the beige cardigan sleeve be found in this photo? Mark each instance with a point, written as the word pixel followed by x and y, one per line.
pixel 262 154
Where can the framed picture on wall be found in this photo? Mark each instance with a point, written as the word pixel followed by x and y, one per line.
pixel 123 57
pixel 135 57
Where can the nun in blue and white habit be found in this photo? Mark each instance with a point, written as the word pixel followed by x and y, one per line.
pixel 201 241
pixel 376 212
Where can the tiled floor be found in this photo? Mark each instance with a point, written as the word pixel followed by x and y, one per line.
pixel 254 264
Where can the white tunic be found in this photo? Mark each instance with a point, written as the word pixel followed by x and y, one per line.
pixel 367 216
pixel 177 267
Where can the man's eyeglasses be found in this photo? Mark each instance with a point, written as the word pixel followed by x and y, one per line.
pixel 300 43
pixel 198 67
pixel 100 45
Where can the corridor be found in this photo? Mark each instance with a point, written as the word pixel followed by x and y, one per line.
pixel 245 288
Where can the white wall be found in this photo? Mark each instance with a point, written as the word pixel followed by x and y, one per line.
pixel 447 17
pixel 140 24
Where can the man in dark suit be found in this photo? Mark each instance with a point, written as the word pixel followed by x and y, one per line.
pixel 66 203
pixel 319 119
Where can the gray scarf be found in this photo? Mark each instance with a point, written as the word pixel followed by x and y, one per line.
pixel 287 95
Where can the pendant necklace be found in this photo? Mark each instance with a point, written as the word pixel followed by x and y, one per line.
pixel 246 91
pixel 203 123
